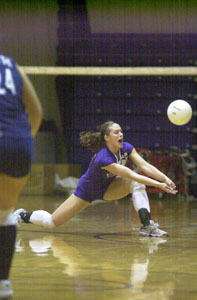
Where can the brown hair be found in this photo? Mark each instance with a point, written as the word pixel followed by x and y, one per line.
pixel 95 140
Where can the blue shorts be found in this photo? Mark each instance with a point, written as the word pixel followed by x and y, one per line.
pixel 89 192
pixel 15 156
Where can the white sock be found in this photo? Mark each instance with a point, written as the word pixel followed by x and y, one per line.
pixel 139 196
pixel 42 217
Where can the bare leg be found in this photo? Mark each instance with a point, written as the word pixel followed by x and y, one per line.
pixel 119 188
pixel 10 189
pixel 68 209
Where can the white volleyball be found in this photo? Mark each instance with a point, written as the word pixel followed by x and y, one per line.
pixel 179 112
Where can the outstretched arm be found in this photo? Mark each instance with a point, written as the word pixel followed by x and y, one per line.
pixel 125 172
pixel 149 169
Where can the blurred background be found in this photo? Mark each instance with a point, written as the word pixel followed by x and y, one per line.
pixel 107 33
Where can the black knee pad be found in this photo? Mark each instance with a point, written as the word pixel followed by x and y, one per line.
pixel 144 216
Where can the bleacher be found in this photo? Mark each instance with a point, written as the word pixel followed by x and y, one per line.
pixel 137 103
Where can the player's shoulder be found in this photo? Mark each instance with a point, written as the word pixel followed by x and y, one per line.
pixel 6 61
pixel 127 147
pixel 104 156
pixel 103 152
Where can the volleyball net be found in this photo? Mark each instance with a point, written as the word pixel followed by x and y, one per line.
pixel 111 71
pixel 162 161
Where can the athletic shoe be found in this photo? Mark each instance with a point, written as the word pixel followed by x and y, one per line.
pixel 152 230
pixel 154 223
pixel 6 290
pixel 18 214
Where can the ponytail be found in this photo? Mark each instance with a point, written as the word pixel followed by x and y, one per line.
pixel 94 141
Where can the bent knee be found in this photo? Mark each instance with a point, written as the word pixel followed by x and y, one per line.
pixel 135 186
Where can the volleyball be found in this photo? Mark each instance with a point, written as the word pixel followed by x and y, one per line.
pixel 179 112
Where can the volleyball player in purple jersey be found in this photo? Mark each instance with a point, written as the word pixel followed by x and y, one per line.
pixel 20 117
pixel 107 178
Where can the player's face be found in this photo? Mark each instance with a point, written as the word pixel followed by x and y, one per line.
pixel 115 136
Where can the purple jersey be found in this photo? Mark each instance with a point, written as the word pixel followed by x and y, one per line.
pixel 15 135
pixel 13 118
pixel 93 184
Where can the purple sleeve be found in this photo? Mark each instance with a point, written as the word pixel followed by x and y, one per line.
pixel 105 158
pixel 107 161
pixel 128 148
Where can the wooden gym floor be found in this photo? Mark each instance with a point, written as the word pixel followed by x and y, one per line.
pixel 99 254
